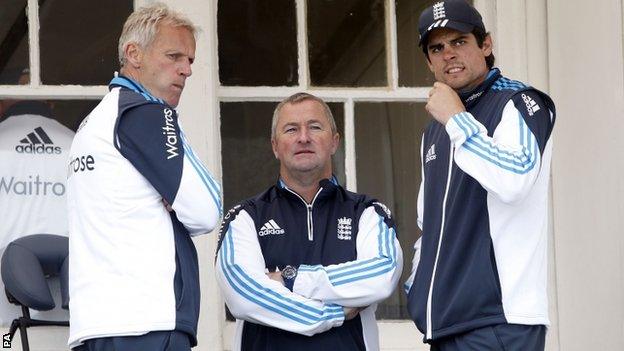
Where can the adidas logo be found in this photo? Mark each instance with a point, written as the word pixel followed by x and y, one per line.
pixel 531 105
pixel 271 228
pixel 37 142
pixel 431 155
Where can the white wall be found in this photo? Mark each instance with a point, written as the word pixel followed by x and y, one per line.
pixel 587 83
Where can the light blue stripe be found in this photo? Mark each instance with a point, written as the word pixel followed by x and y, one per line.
pixel 491 152
pixel 365 276
pixel 347 266
pixel 460 123
pixel 203 179
pixel 474 129
pixel 335 311
pixel 469 147
pixel 486 144
pixel 380 262
pixel 329 307
pixel 472 122
pixel 203 174
pixel 214 183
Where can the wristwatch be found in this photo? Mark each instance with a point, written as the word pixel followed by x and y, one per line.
pixel 289 273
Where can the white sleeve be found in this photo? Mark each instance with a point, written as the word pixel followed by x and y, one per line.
pixel 506 164
pixel 252 296
pixel 369 279
pixel 410 281
pixel 198 201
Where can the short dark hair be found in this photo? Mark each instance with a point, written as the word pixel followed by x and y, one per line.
pixel 480 35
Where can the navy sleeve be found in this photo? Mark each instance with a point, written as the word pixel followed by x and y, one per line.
pixel 149 137
pixel 535 109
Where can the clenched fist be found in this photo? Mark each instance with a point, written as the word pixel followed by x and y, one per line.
pixel 443 102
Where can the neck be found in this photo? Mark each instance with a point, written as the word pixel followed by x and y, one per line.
pixel 306 185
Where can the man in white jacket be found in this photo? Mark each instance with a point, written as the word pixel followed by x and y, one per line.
pixel 137 193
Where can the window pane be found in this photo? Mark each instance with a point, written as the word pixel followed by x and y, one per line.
pixel 387 149
pixel 413 70
pixel 257 42
pixel 347 43
pixel 79 40
pixel 249 166
pixel 67 112
pixel 13 41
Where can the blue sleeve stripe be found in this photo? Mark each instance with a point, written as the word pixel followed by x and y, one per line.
pixel 520 159
pixel 288 308
pixel 460 122
pixel 520 162
pixel 480 153
pixel 352 271
pixel 465 117
pixel 206 178
pixel 214 184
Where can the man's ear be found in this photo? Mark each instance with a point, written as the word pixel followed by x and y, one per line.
pixel 274 147
pixel 335 143
pixel 487 45
pixel 133 55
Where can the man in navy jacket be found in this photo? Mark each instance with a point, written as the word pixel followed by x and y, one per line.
pixel 303 265
pixel 479 273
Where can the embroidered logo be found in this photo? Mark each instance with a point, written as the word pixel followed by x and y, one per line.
pixel 431 155
pixel 531 105
pixel 439 11
pixel 271 228
pixel 344 228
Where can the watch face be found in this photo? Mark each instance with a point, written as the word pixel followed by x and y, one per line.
pixel 289 272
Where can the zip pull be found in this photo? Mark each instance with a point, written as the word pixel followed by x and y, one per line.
pixel 310 223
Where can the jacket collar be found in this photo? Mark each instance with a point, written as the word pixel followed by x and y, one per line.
pixel 329 186
pixel 128 83
pixel 470 98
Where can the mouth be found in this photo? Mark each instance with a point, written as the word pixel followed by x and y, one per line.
pixel 178 86
pixel 304 152
pixel 454 69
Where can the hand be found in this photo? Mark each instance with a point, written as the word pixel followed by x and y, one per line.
pixel 351 312
pixel 443 102
pixel 277 276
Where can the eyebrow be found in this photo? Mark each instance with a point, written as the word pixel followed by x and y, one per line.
pixel 455 39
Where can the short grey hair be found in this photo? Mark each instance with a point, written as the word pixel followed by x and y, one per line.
pixel 141 26
pixel 300 97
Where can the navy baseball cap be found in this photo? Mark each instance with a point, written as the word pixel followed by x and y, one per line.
pixel 454 14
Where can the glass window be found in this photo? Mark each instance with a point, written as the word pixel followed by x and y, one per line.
pixel 249 166
pixel 79 40
pixel 347 43
pixel 387 146
pixel 257 42
pixel 67 112
pixel 13 41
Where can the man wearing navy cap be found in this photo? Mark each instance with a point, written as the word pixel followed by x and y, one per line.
pixel 479 273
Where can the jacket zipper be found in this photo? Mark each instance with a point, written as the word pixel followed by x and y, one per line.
pixel 309 211
pixel 435 265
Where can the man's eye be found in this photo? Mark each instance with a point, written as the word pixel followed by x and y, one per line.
pixel 290 130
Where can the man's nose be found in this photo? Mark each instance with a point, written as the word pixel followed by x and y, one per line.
pixel 304 135
pixel 449 52
pixel 185 68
